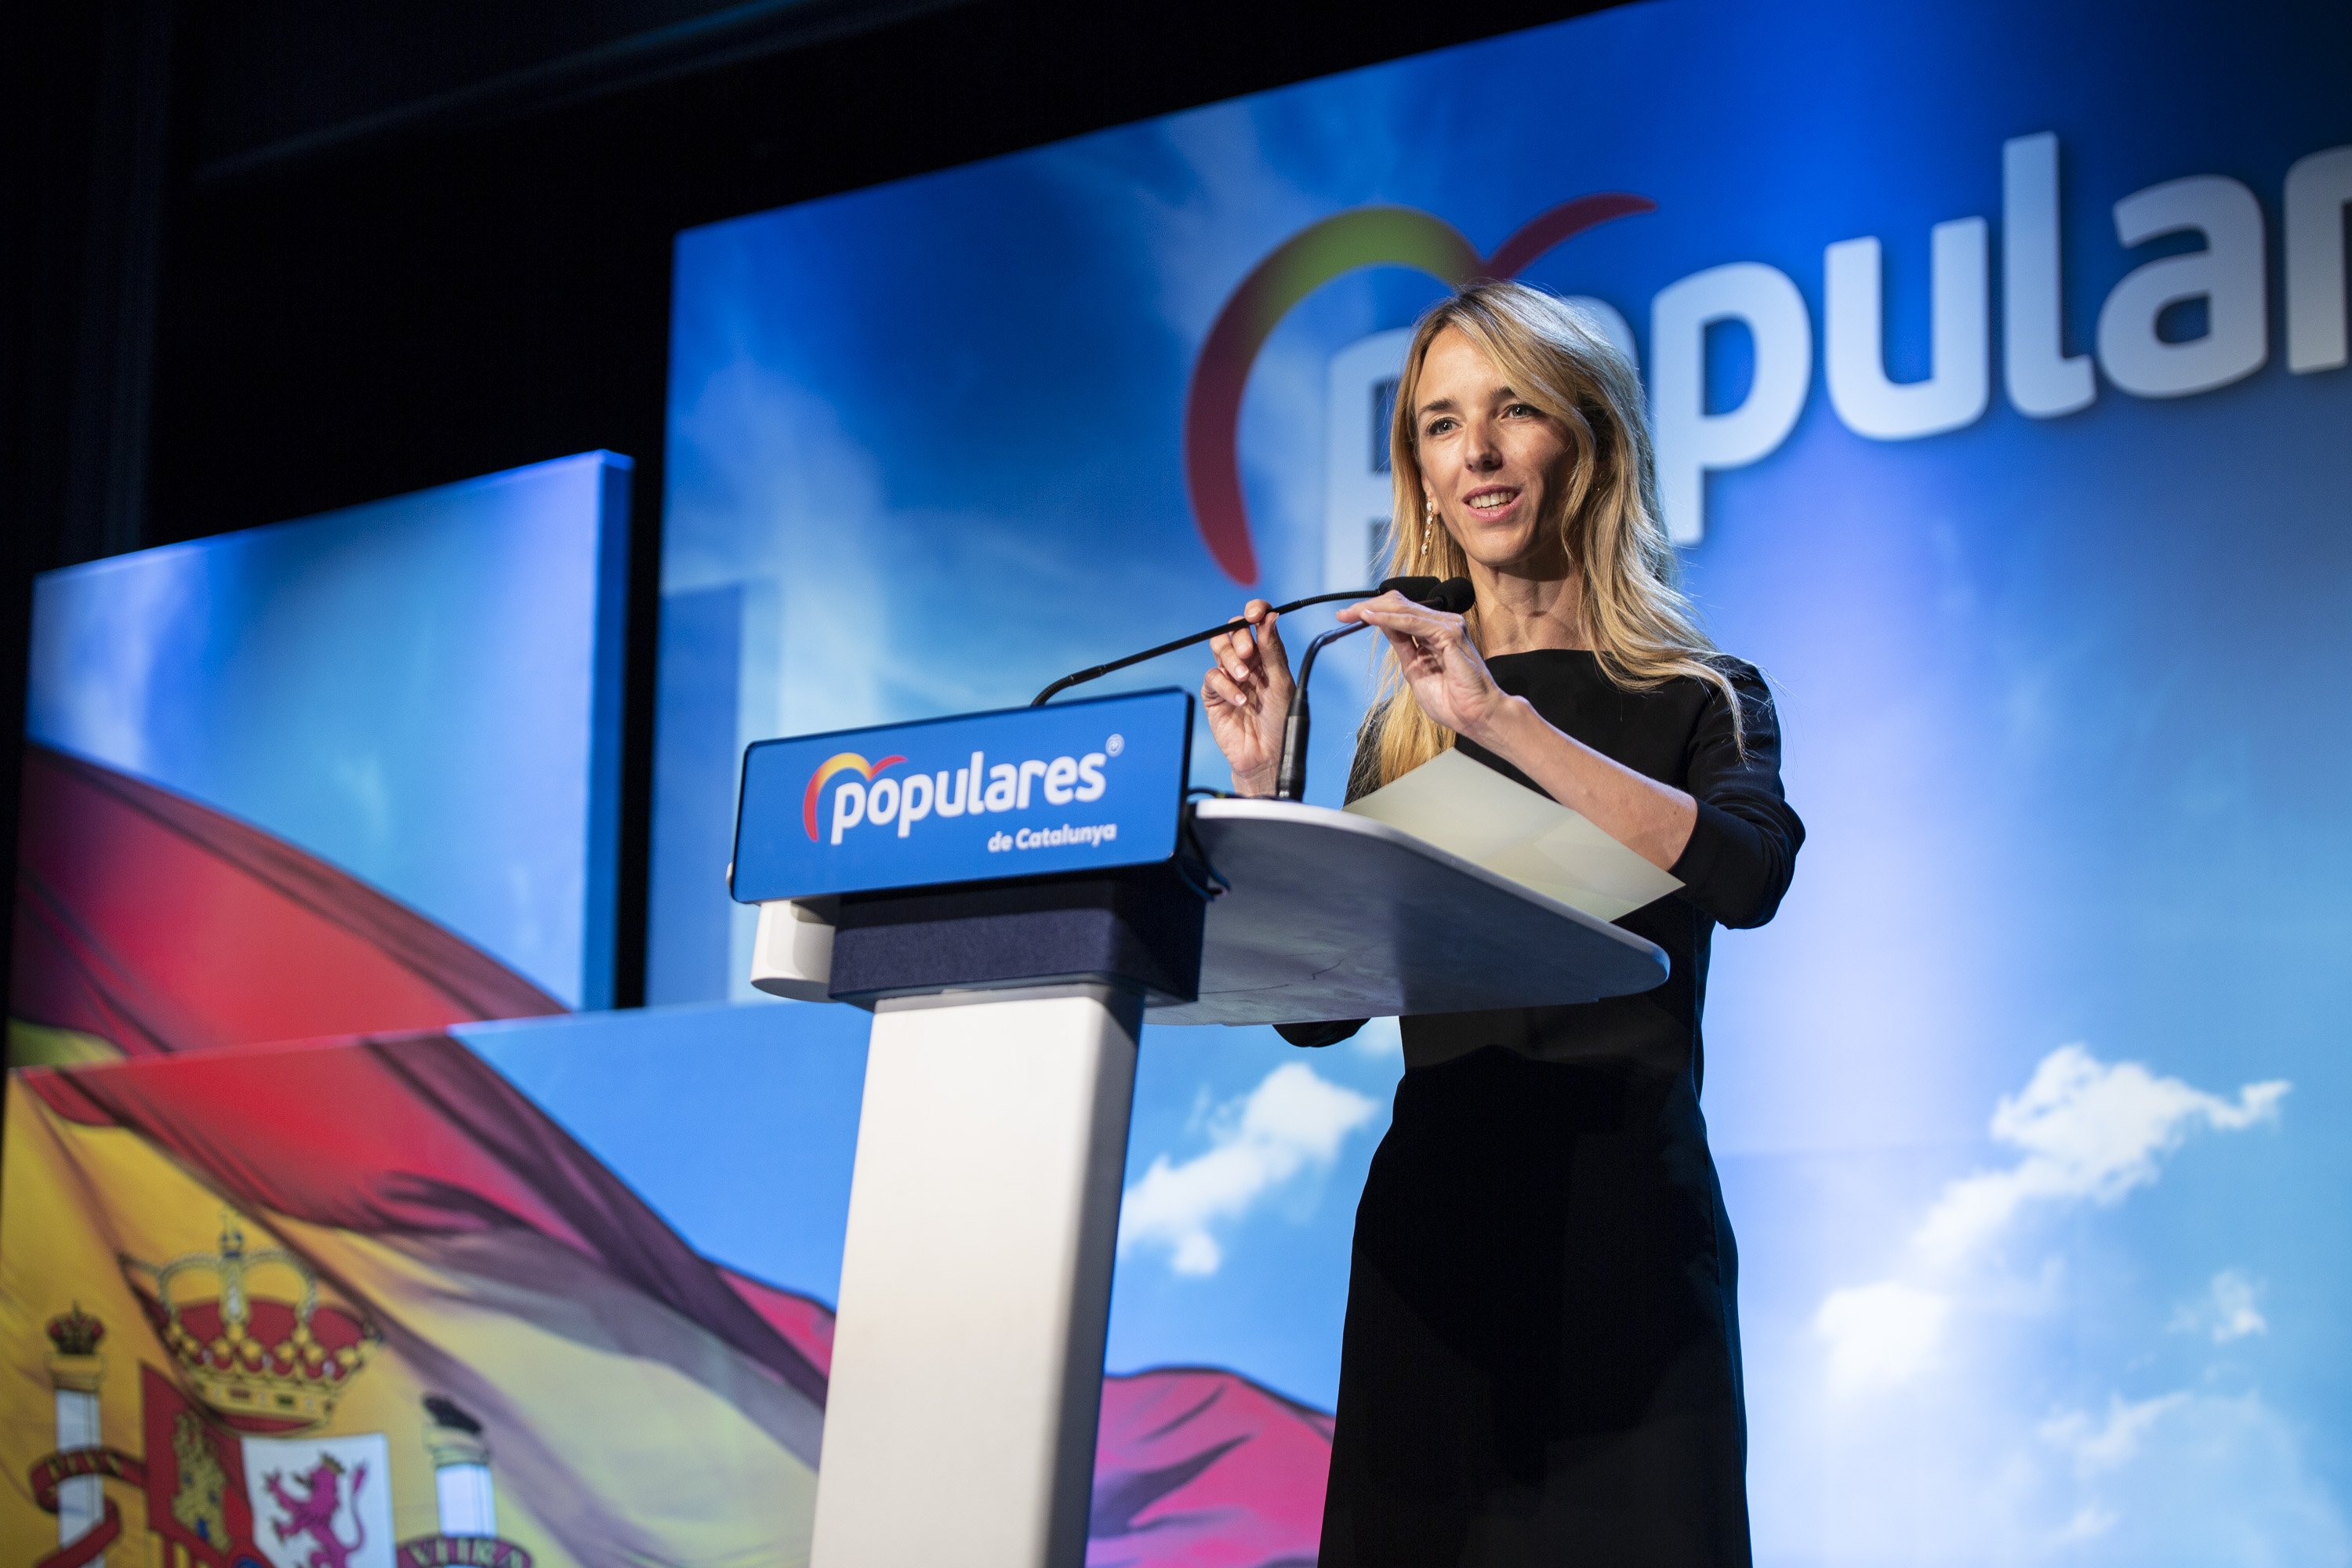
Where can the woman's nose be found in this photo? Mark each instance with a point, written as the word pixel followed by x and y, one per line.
pixel 1481 452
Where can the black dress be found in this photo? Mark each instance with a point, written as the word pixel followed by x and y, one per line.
pixel 1541 1360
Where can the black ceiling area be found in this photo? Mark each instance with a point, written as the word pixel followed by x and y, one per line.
pixel 269 259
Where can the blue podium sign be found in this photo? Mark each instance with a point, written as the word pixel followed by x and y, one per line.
pixel 1025 792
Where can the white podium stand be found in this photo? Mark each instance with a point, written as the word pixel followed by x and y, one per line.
pixel 975 1281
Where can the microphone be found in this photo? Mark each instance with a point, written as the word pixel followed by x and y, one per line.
pixel 1417 589
pixel 1455 596
pixel 1421 590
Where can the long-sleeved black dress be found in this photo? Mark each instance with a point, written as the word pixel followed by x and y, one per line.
pixel 1541 1360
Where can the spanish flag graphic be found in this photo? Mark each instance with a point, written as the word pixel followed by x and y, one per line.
pixel 356 1302
pixel 232 1271
pixel 380 1239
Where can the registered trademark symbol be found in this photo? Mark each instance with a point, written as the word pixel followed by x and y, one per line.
pixel 1114 745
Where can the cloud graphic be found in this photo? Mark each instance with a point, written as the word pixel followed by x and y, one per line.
pixel 1880 1335
pixel 2190 1476
pixel 2086 1132
pixel 2109 1444
pixel 2228 1309
pixel 1292 1120
pixel 2090 1521
pixel 1984 1401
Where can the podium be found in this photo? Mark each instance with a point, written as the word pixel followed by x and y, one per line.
pixel 984 1214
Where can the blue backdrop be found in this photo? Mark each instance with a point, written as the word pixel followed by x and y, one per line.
pixel 423 691
pixel 2031 504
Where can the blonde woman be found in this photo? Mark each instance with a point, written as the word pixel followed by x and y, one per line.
pixel 1541 1360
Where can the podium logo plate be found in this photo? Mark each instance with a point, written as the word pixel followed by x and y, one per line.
pixel 1026 792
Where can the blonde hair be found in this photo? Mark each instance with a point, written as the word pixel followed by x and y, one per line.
pixel 1645 632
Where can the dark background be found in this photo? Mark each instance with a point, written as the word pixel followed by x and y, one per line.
pixel 265 259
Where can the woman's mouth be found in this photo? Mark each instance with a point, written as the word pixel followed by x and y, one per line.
pixel 1491 502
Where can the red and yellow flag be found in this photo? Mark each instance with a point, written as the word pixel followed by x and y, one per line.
pixel 629 1401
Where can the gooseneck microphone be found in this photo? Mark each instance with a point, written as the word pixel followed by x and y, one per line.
pixel 1417 589
pixel 1455 596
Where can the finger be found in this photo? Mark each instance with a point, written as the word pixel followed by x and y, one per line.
pixel 1406 647
pixel 1278 662
pixel 1255 611
pixel 1265 626
pixel 1435 625
pixel 1232 650
pixel 1396 607
pixel 1274 660
pixel 1217 687
pixel 1390 601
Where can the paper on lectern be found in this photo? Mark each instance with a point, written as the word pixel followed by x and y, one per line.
pixel 1468 809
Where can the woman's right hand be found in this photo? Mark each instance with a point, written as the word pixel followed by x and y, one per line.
pixel 1246 695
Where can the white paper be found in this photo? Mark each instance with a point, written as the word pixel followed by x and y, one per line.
pixel 1468 809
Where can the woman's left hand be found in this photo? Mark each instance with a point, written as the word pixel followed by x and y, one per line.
pixel 1442 666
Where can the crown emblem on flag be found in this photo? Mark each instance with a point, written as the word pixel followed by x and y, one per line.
pixel 261 1362
pixel 75 1333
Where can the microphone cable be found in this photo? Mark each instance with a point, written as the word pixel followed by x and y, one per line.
pixel 1455 596
pixel 1417 589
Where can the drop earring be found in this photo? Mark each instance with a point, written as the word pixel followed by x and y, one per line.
pixel 1428 525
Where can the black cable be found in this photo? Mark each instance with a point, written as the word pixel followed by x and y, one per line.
pixel 1454 595
pixel 1411 588
pixel 1290 776
pixel 1189 838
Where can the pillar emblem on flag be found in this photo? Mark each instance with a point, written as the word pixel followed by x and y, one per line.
pixel 71 1483
pixel 468 1504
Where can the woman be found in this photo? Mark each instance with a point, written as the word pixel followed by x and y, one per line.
pixel 1541 1360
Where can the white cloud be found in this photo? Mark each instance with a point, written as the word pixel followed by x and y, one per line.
pixel 1880 1335
pixel 2227 1310
pixel 2099 1446
pixel 2195 1477
pixel 1292 1119
pixel 1913 1418
pixel 2090 1521
pixel 1380 1037
pixel 2087 1132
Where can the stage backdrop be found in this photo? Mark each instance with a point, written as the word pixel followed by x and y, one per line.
pixel 419 698
pixel 459 1282
pixel 1997 354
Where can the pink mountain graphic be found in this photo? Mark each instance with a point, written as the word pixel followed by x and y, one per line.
pixel 1195 1467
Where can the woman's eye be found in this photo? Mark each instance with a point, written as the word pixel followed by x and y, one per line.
pixel 1518 411
pixel 1438 427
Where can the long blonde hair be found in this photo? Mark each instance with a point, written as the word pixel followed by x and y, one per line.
pixel 1645 632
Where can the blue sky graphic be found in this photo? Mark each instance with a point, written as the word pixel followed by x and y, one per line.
pixel 424 691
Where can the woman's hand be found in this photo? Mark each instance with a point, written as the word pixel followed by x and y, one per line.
pixel 1442 666
pixel 1246 696
pixel 1451 681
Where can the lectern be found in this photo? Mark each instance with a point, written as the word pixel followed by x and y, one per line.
pixel 1052 887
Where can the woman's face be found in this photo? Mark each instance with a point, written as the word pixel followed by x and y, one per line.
pixel 1488 458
